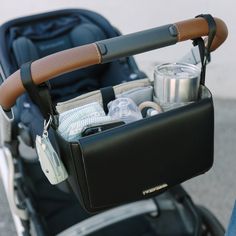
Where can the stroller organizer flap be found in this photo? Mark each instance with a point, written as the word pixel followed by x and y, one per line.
pixel 130 161
pixel 141 159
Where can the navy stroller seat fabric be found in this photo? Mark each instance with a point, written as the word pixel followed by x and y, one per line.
pixel 32 38
pixel 40 39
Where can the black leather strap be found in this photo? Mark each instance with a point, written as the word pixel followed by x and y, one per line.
pixel 38 94
pixel 201 46
pixel 205 51
pixel 108 95
pixel 212 30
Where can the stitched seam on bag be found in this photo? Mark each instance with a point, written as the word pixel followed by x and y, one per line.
pixel 178 30
pixel 98 53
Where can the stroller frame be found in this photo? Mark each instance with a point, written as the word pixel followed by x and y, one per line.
pixel 28 222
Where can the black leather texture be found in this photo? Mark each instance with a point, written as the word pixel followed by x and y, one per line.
pixel 39 94
pixel 115 166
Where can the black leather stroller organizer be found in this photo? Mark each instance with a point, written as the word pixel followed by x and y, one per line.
pixel 141 159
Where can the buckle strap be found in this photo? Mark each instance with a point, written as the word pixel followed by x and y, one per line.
pixel 212 30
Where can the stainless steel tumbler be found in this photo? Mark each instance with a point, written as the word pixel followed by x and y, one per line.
pixel 176 84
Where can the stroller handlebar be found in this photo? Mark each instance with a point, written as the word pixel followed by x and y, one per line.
pixel 107 50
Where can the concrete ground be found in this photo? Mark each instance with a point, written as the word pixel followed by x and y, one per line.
pixel 216 189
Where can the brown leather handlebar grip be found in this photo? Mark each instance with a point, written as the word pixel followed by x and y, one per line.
pixel 197 27
pixel 80 57
pixel 47 68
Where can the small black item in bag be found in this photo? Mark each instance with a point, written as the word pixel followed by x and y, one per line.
pixel 93 129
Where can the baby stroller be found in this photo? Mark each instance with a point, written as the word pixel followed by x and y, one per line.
pixel 40 208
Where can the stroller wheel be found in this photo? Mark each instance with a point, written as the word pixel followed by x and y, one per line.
pixel 210 224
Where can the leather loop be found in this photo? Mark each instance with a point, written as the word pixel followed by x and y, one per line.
pixel 200 43
pixel 26 78
pixel 212 31
pixel 205 51
pixel 108 95
pixel 38 94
